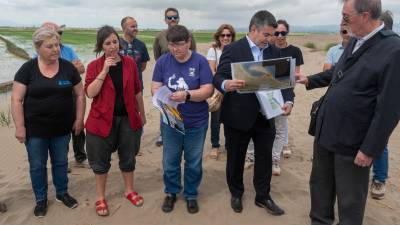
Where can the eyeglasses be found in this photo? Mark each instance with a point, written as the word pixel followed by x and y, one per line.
pixel 172 17
pixel 60 32
pixel 225 35
pixel 282 33
pixel 344 32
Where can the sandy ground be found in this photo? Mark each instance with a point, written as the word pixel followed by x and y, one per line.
pixel 290 190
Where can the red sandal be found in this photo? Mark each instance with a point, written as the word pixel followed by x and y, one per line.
pixel 135 198
pixel 102 208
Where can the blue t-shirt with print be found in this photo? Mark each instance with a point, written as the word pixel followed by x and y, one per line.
pixel 189 75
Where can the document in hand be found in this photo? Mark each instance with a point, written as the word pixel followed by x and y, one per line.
pixel 169 109
pixel 266 75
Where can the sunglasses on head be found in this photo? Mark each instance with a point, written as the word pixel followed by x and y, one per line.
pixel 282 33
pixel 172 17
pixel 344 31
pixel 225 35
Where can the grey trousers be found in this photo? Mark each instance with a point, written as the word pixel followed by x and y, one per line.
pixel 336 176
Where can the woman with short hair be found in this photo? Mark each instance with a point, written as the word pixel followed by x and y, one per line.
pixel 187 74
pixel 42 109
pixel 116 115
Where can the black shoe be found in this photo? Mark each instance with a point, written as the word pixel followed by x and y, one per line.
pixel 270 206
pixel 80 160
pixel 169 203
pixel 68 201
pixel 192 206
pixel 40 208
pixel 236 204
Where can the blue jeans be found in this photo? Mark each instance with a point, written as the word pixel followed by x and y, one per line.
pixel 215 125
pixel 38 151
pixel 381 166
pixel 174 144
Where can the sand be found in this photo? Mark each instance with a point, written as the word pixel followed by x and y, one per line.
pixel 290 190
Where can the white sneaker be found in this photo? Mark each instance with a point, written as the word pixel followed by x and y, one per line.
pixel 276 169
pixel 286 152
pixel 378 189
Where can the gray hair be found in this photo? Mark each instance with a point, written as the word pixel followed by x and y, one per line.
pixel 42 34
pixel 263 18
pixel 374 7
pixel 387 18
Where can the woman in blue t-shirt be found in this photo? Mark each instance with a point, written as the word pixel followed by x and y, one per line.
pixel 189 77
pixel 42 109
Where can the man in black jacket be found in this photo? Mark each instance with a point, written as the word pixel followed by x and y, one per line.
pixel 241 115
pixel 359 112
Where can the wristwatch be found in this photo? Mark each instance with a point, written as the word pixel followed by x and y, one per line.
pixel 187 95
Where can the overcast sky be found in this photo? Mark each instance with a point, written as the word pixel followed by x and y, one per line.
pixel 198 14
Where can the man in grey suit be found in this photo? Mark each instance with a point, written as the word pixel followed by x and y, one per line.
pixel 357 115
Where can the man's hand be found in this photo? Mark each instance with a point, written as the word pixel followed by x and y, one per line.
pixel 287 109
pixel 301 79
pixel 362 159
pixel 233 85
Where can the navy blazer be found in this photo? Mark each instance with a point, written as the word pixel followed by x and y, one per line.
pixel 361 107
pixel 240 111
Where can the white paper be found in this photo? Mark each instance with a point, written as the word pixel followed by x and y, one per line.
pixel 169 109
pixel 271 103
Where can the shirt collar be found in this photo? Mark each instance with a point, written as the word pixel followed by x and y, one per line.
pixel 368 36
pixel 253 45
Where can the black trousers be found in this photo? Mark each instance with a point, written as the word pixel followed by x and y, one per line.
pixel 263 136
pixel 78 144
pixel 336 176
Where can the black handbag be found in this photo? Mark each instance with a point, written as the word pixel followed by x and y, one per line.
pixel 313 114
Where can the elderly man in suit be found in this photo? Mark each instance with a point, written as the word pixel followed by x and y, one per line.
pixel 241 115
pixel 357 115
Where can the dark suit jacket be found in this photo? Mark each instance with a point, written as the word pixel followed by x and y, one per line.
pixel 362 106
pixel 240 111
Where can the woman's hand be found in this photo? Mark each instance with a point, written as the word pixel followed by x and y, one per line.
pixel 178 96
pixel 20 134
pixel 77 127
pixel 110 61
pixel 143 117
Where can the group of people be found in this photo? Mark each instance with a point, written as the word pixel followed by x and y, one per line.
pixel 355 119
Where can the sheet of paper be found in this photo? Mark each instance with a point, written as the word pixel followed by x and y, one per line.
pixel 271 103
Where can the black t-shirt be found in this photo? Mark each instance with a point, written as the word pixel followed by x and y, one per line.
pixel 48 101
pixel 294 52
pixel 116 76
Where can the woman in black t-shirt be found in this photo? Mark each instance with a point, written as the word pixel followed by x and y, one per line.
pixel 43 115
pixel 281 122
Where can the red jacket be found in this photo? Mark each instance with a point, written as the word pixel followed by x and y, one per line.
pixel 101 112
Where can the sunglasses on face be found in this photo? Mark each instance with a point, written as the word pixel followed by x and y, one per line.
pixel 172 17
pixel 226 35
pixel 282 33
pixel 344 32
pixel 60 32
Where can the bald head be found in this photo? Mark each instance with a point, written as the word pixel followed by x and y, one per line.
pixel 51 26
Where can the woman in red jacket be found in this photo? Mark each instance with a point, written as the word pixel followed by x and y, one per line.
pixel 116 116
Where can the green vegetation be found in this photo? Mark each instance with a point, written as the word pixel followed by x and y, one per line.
pixel 329 45
pixel 12 48
pixel 5 118
pixel 310 45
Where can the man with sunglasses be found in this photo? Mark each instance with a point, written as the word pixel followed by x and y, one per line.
pixel 334 53
pixel 160 45
pixel 68 53
pixel 356 116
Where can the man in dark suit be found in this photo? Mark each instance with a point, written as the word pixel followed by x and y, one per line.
pixel 241 115
pixel 357 116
